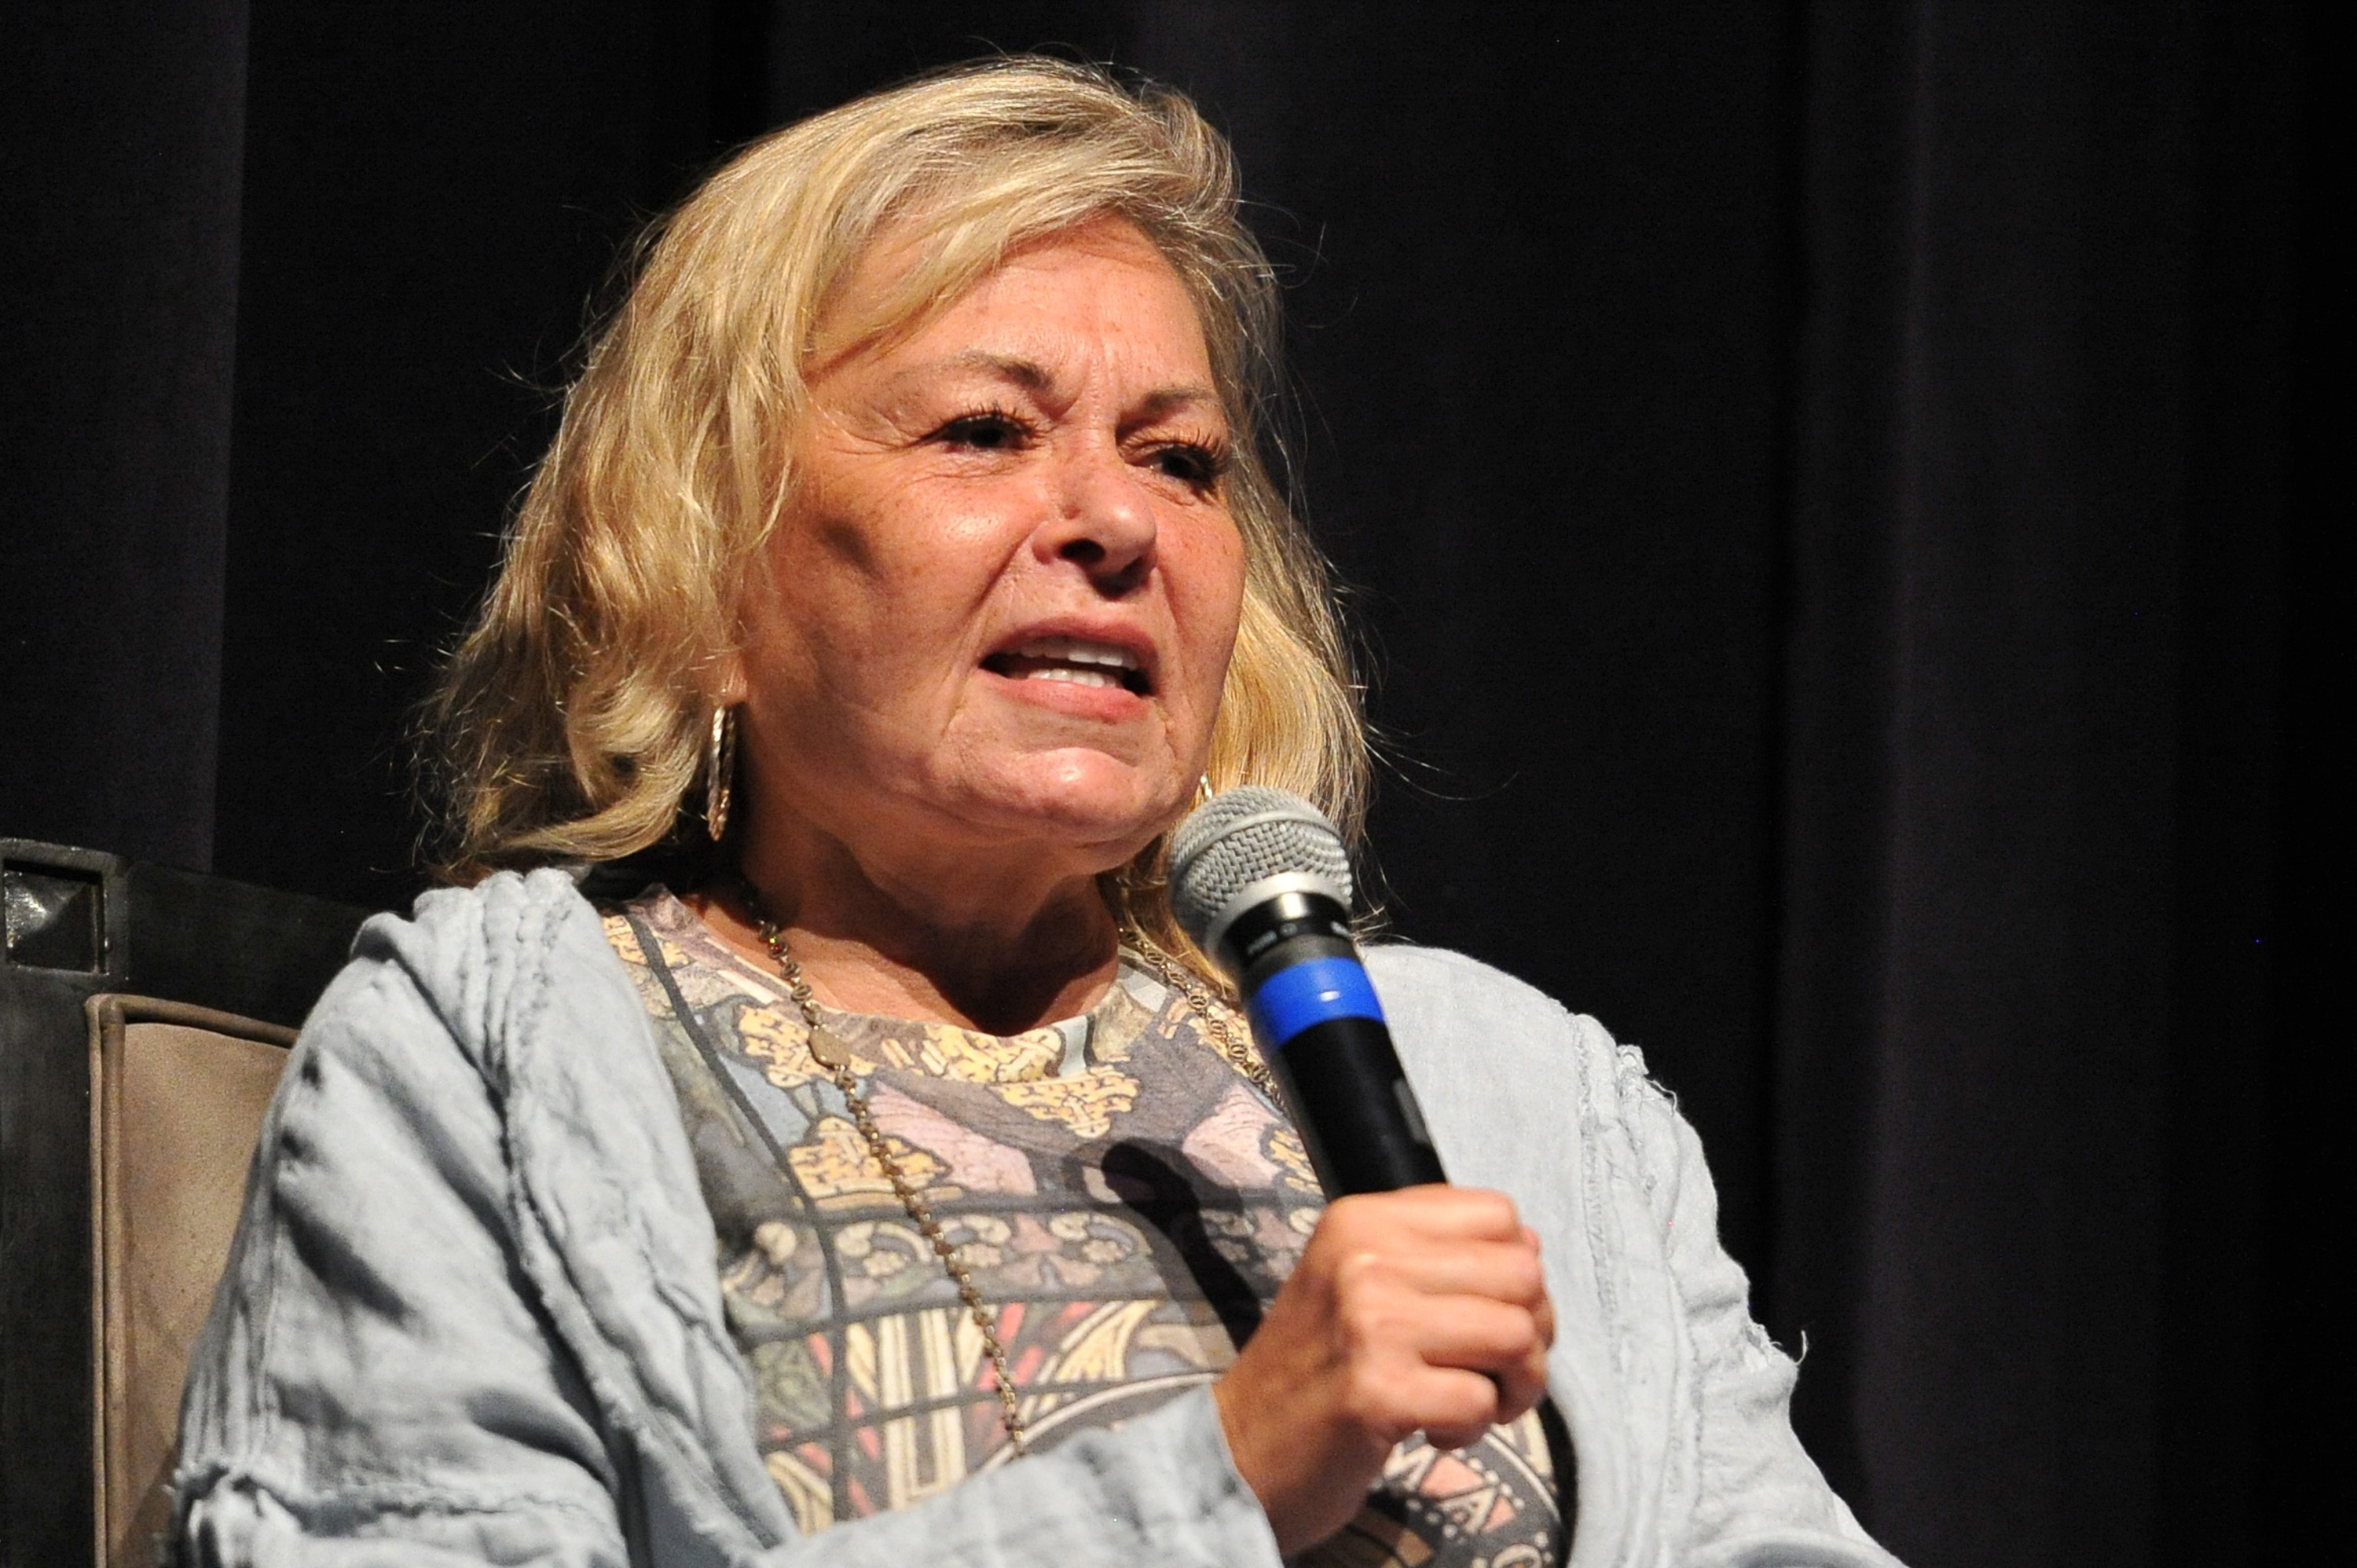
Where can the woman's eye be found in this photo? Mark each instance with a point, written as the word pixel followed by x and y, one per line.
pixel 985 432
pixel 1197 466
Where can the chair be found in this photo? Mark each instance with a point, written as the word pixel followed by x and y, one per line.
pixel 177 1095
pixel 145 1015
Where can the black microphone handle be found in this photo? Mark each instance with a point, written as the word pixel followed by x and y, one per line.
pixel 1357 1118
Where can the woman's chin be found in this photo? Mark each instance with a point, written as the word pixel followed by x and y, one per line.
pixel 1081 800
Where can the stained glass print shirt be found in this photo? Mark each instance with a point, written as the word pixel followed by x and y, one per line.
pixel 1124 1197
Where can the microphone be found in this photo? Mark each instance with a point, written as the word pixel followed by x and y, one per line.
pixel 1260 880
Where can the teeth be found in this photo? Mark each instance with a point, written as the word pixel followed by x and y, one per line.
pixel 1076 677
pixel 1074 650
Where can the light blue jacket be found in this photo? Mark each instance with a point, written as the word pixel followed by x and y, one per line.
pixel 472 1314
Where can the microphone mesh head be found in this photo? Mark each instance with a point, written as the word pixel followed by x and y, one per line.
pixel 1245 836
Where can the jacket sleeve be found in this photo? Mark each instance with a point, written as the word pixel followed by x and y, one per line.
pixel 374 1383
pixel 1760 1500
pixel 402 1365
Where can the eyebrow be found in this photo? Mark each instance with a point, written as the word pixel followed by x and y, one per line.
pixel 1032 376
pixel 1029 374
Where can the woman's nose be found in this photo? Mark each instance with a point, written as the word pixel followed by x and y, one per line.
pixel 1104 519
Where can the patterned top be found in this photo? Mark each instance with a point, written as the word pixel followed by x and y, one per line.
pixel 1124 1197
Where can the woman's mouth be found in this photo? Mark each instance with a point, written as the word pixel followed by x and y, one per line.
pixel 1072 659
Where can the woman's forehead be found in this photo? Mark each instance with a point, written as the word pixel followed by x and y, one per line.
pixel 903 281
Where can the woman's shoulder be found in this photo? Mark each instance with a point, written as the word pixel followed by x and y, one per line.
pixel 502 931
pixel 1420 972
pixel 512 984
pixel 1444 1005
pixel 1439 992
pixel 510 918
pixel 483 960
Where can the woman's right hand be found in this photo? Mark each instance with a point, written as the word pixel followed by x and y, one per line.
pixel 1423 1310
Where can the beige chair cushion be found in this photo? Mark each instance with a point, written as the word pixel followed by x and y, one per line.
pixel 177 1095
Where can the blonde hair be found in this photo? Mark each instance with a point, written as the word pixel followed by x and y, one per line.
pixel 569 722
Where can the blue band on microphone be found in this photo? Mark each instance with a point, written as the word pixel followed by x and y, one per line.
pixel 1294 997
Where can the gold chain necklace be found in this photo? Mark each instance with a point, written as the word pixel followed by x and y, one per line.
pixel 827 1049
pixel 1217 1016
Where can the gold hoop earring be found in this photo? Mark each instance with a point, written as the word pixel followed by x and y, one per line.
pixel 1202 790
pixel 719 771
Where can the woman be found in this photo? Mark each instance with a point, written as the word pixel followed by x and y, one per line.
pixel 907 545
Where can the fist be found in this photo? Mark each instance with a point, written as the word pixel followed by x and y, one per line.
pixel 1424 1310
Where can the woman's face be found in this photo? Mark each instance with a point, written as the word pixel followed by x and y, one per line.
pixel 999 610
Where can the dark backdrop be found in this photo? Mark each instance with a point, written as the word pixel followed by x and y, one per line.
pixel 1836 493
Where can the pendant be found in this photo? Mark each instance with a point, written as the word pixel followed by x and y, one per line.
pixel 827 1050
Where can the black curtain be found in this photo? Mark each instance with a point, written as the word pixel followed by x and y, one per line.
pixel 1836 494
pixel 123 144
pixel 2033 751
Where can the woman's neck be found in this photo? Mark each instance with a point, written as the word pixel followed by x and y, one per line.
pixel 1000 960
